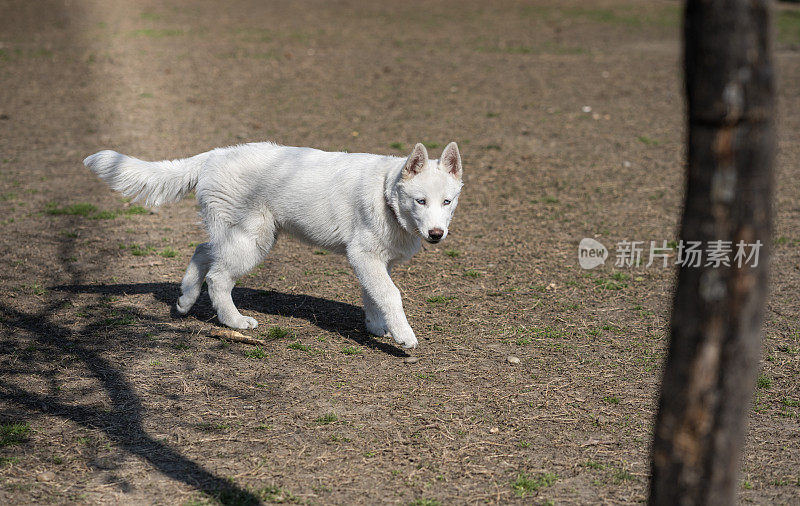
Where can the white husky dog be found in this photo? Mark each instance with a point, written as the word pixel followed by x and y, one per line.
pixel 374 209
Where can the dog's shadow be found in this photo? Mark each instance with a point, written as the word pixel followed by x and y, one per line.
pixel 342 318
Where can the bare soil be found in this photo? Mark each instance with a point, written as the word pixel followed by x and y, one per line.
pixel 569 118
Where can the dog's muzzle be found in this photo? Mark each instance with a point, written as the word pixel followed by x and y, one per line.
pixel 435 235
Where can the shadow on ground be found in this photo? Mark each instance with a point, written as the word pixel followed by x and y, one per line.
pixel 51 343
pixel 337 317
pixel 122 423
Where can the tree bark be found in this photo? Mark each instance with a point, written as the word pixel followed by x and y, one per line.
pixel 718 311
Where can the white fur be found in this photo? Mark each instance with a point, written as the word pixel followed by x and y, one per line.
pixel 368 207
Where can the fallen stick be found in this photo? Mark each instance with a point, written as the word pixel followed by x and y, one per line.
pixel 146 264
pixel 232 335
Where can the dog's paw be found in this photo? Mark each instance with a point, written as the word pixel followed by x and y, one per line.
pixel 407 339
pixel 183 308
pixel 240 322
pixel 377 328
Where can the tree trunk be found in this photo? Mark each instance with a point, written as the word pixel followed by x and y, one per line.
pixel 718 310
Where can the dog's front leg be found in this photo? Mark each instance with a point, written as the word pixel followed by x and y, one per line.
pixel 378 287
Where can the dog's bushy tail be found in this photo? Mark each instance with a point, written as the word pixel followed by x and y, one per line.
pixel 155 183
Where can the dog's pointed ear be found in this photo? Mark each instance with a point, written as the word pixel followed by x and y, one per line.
pixel 416 161
pixel 451 160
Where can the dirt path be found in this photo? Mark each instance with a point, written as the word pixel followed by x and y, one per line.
pixel 569 121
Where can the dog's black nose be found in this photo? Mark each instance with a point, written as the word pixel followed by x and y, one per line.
pixel 436 234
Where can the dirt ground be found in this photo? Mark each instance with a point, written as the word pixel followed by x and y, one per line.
pixel 569 119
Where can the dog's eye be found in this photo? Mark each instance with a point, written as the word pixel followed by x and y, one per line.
pixel 420 201
pixel 446 202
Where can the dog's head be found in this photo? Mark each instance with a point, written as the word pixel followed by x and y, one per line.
pixel 428 190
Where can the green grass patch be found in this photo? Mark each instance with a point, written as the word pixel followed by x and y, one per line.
pixel 351 350
pixel 140 251
pixel 19 54
pixel 452 253
pixel 212 427
pixel 277 495
pixel 648 141
pixel 90 211
pixel 440 299
pixel 792 403
pixel 8 461
pixel 256 352
pixel 525 485
pixel 610 284
pixel 277 332
pixel 41 52
pixel 256 34
pixel 14 433
pixel 298 346
pixel 524 335
pixel 158 33
pixel 168 253
pixel 424 502
pixel 619 475
pixel 591 464
pixel 118 321
pixel 326 419
pixel 37 289
pixel 103 215
pixel 80 209
pixel 791 350
pixel 131 210
pixel 788 27
pixel 764 381
pixel 546 332
pixel 396 145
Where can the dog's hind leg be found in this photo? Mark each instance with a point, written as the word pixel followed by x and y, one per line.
pixel 194 277
pixel 376 325
pixel 236 254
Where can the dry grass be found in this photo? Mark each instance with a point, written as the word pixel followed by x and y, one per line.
pixel 125 402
